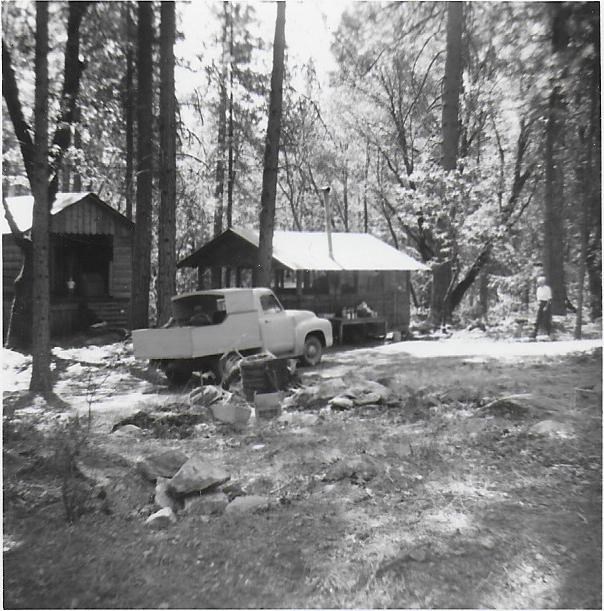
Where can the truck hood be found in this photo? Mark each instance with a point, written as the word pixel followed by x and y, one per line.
pixel 299 315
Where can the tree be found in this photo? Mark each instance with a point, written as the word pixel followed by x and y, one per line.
pixel 20 326
pixel 141 259
pixel 263 269
pixel 442 270
pixel 40 375
pixel 166 243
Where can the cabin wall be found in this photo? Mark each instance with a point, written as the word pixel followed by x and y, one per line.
pixel 121 266
pixel 387 293
pixel 11 264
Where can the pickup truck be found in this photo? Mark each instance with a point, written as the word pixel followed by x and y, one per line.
pixel 206 325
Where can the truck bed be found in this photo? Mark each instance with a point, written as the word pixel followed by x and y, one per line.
pixel 236 332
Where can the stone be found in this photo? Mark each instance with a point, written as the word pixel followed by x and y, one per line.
pixel 363 468
pixel 161 519
pixel 162 464
pixel 231 413
pixel 209 503
pixel 162 495
pixel 370 398
pixel 196 475
pixel 341 403
pixel 128 430
pixel 552 428
pixel 247 504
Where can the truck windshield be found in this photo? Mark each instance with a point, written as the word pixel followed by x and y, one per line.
pixel 199 310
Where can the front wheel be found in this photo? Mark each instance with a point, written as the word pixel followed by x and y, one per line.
pixel 313 350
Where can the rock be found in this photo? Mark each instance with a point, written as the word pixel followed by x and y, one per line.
pixel 161 519
pixel 128 430
pixel 128 494
pixel 162 464
pixel 231 413
pixel 299 419
pixel 162 495
pixel 371 398
pixel 197 475
pixel 363 468
pixel 209 503
pixel 552 428
pixel 247 504
pixel 341 403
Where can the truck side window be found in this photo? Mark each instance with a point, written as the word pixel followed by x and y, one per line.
pixel 270 304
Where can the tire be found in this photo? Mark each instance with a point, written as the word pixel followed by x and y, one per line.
pixel 313 351
pixel 178 374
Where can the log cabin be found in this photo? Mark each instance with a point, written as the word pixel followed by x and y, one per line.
pixel 90 261
pixel 360 268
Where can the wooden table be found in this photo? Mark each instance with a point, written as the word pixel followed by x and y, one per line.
pixel 338 324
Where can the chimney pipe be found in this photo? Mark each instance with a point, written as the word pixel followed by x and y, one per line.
pixel 326 191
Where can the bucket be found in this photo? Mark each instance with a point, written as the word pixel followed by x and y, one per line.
pixel 263 373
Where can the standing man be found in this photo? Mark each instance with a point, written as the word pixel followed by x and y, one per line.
pixel 544 301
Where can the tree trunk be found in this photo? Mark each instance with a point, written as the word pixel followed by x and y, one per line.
pixel 166 243
pixel 452 86
pixel 231 169
pixel 553 231
pixel 263 269
pixel 40 377
pixel 442 271
pixel 220 150
pixel 77 144
pixel 141 262
pixel 129 108
pixel 366 177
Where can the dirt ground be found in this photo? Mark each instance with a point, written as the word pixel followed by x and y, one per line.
pixel 466 504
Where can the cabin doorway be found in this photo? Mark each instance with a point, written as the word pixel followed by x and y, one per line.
pixel 81 266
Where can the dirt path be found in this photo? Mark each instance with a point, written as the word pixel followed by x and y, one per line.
pixel 461 503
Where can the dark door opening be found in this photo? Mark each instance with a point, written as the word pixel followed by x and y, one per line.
pixel 81 265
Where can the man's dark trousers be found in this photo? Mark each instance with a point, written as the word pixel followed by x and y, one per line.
pixel 544 318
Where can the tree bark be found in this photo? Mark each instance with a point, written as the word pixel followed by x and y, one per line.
pixel 40 377
pixel 452 86
pixel 442 270
pixel 141 263
pixel 129 96
pixel 166 276
pixel 553 229
pixel 231 169
pixel 263 269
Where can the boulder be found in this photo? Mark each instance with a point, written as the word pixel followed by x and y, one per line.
pixel 370 398
pixel 231 412
pixel 162 464
pixel 162 495
pixel 552 428
pixel 247 504
pixel 196 475
pixel 363 468
pixel 209 503
pixel 341 403
pixel 128 430
pixel 161 519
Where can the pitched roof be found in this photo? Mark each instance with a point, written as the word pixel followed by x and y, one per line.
pixel 21 208
pixel 308 250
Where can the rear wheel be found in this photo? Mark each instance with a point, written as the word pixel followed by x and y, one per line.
pixel 178 374
pixel 313 350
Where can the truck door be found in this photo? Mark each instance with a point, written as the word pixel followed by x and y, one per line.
pixel 276 328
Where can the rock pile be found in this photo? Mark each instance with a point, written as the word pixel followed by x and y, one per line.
pixel 192 485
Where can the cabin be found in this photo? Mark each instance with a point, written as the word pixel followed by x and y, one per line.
pixel 90 260
pixel 361 268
